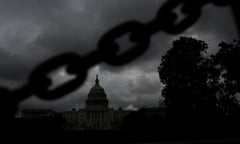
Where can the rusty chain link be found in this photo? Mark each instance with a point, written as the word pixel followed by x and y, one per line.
pixel 107 51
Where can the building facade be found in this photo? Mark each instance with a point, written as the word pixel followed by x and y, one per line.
pixel 96 115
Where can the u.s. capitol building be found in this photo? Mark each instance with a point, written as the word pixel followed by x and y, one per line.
pixel 96 115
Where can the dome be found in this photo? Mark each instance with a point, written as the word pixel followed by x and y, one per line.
pixel 97 98
pixel 97 91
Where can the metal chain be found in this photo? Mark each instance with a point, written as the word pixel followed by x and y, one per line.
pixel 107 51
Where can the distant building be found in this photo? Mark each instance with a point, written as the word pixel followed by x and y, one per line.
pixel 96 115
pixel 157 112
pixel 37 113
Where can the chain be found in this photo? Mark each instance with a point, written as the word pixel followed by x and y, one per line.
pixel 38 83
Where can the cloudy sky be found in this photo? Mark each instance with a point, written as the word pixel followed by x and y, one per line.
pixel 31 31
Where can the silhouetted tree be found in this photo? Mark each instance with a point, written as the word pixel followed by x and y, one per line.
pixel 189 77
pixel 227 60
pixel 196 84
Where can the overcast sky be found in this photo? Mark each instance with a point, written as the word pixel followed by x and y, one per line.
pixel 31 31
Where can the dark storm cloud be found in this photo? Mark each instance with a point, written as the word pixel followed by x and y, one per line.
pixel 79 30
pixel 12 68
pixel 144 84
pixel 32 31
pixel 219 21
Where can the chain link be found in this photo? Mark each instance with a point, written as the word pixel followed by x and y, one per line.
pixel 192 16
pixel 108 47
pixel 40 83
pixel 107 51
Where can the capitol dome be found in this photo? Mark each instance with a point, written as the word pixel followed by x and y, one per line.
pixel 97 92
pixel 97 98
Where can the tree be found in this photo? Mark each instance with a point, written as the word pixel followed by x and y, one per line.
pixel 197 83
pixel 189 77
pixel 228 61
pixel 199 89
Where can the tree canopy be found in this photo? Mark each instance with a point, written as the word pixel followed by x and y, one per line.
pixel 196 82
